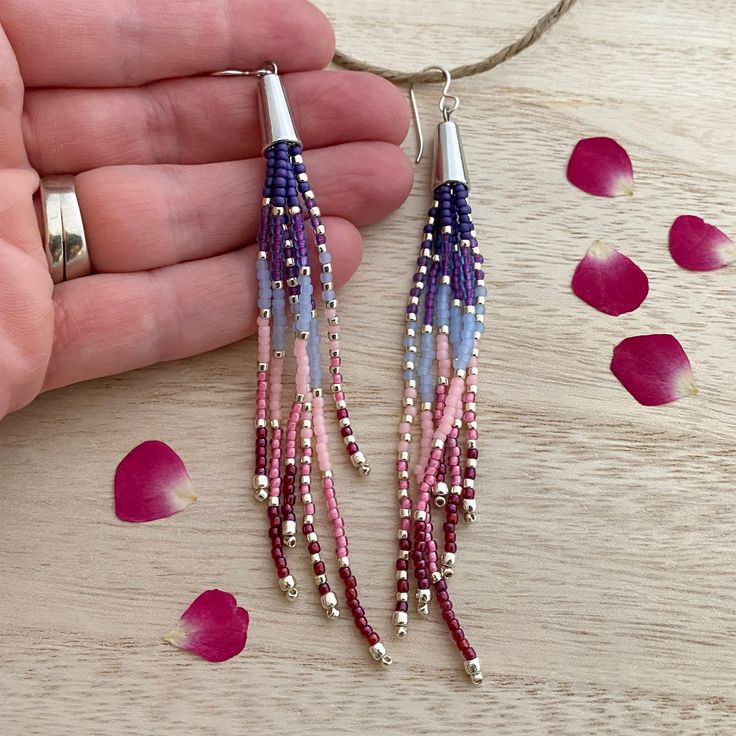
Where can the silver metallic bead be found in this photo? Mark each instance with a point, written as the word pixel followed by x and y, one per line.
pixel 288 532
pixel 400 618
pixel 288 586
pixel 441 492
pixel 424 595
pixel 472 667
pixel 378 652
pixel 328 600
pixel 448 559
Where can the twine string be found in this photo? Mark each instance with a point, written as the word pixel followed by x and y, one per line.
pixel 468 70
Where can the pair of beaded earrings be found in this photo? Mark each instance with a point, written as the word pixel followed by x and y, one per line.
pixel 440 374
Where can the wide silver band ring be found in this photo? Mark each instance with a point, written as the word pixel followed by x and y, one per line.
pixel 64 240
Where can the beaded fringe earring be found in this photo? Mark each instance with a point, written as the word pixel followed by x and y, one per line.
pixel 284 453
pixel 441 374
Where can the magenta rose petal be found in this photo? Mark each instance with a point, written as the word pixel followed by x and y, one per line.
pixel 654 369
pixel 214 627
pixel 609 281
pixel 698 246
pixel 600 166
pixel 151 482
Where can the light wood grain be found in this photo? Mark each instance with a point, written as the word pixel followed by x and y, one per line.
pixel 598 583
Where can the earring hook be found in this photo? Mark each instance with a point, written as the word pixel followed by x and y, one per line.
pixel 268 68
pixel 447 105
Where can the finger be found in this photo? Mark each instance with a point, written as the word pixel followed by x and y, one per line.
pixel 18 180
pixel 170 122
pixel 142 217
pixel 107 323
pixel 25 285
pixel 108 43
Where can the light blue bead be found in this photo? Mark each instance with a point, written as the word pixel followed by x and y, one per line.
pixel 328 296
pixel 325 257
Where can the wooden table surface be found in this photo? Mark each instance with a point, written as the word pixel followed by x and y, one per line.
pixel 599 581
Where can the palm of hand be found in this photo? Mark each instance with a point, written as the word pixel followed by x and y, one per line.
pixel 168 174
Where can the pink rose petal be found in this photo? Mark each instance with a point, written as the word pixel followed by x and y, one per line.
pixel 609 281
pixel 698 246
pixel 654 369
pixel 602 167
pixel 151 482
pixel 213 627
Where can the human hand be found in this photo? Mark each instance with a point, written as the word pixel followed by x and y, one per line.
pixel 168 173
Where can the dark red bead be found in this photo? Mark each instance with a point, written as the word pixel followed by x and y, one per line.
pixel 313 548
pixel 458 635
pixel 473 453
pixel 319 568
pixel 402 565
pixel 463 644
pixel 351 593
pixel 351 582
pixel 469 653
pixel 402 586
pixel 446 605
pixel 342 413
pixel 453 625
pixel 373 639
pixel 360 623
pixel 448 615
pixel 346 431
pixel 404 545
pixel 345 572
pixel 323 588
pixel 451 547
pixel 470 473
pixel 443 595
pixel 352 448
pixel 353 603
pixel 359 612
pixel 402 606
pixel 307 528
pixel 367 630
pixel 441 585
